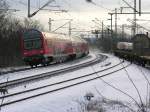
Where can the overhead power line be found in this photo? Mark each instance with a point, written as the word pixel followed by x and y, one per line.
pixel 131 21
pixel 131 13
pixel 129 5
pixel 14 10
pixel 62 25
pixel 25 4
pixel 34 13
pixel 55 10
pixel 134 8
pixel 142 20
pixel 99 5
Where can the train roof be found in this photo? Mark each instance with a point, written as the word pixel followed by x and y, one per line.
pixel 78 38
pixel 54 35
pixel 63 37
pixel 51 35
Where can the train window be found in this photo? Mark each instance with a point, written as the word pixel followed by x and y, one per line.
pixel 31 34
pixel 27 45
pixel 37 44
pixel 32 44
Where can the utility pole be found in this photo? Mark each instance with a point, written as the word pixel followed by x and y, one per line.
pixel 122 30
pixel 108 33
pixel 102 30
pixel 139 7
pixel 134 12
pixel 116 22
pixel 50 24
pixel 111 31
pixel 111 26
pixel 134 24
pixel 69 28
pixel 28 8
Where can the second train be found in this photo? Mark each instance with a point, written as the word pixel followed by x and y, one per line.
pixel 137 51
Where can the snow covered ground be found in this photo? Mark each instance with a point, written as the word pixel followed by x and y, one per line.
pixel 35 71
pixel 67 100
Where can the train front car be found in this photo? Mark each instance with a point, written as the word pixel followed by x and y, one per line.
pixel 44 48
pixel 32 47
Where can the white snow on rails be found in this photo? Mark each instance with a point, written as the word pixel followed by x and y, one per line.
pixel 64 99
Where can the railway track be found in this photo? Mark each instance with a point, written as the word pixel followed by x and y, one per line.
pixel 29 68
pixel 16 82
pixel 28 94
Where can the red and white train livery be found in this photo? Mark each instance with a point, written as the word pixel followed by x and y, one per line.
pixel 43 48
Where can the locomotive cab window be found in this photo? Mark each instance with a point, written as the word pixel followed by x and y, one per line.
pixel 32 44
pixel 32 40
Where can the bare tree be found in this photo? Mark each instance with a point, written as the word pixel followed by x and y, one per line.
pixel 10 52
pixel 29 23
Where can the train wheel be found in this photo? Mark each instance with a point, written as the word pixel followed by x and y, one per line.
pixel 46 61
pixel 31 65
pixel 84 54
pixel 43 62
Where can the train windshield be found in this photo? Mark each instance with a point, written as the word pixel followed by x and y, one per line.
pixel 32 40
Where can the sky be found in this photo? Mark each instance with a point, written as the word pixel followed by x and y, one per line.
pixel 80 11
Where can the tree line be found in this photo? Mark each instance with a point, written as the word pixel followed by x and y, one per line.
pixel 106 42
pixel 10 26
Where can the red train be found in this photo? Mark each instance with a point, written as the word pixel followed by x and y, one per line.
pixel 44 48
